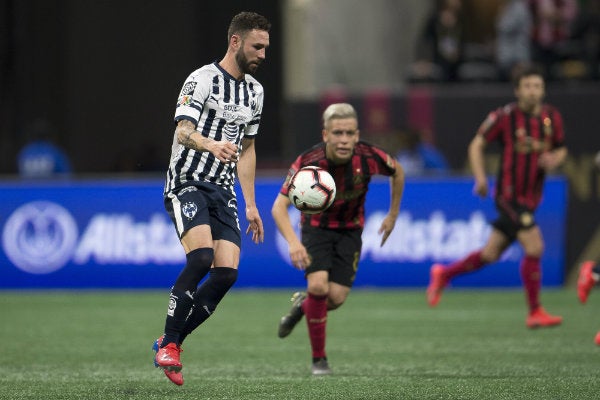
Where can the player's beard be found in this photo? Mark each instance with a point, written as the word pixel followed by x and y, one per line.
pixel 242 61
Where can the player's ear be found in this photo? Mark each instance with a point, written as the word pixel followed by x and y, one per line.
pixel 324 134
pixel 235 41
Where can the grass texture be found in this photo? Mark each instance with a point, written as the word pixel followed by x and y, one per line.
pixel 381 345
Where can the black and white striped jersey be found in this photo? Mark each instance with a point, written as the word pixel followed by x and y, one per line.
pixel 221 107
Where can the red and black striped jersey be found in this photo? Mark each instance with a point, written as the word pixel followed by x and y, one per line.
pixel 351 180
pixel 523 138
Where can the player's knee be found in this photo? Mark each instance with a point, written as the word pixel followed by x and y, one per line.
pixel 224 277
pixel 535 251
pixel 200 258
pixel 489 256
pixel 197 266
pixel 333 303
pixel 318 288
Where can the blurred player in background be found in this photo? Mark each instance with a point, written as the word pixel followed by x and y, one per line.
pixel 217 116
pixel 589 273
pixel 331 241
pixel 530 134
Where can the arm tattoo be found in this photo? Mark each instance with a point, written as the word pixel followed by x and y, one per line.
pixel 185 129
pixel 187 141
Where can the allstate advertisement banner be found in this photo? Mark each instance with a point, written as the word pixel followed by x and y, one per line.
pixel 116 234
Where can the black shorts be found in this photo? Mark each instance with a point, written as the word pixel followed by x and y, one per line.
pixel 512 218
pixel 335 251
pixel 205 204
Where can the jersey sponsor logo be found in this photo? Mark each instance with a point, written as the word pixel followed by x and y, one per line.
pixel 189 209
pixel 231 107
pixel 526 145
pixel 39 237
pixel 231 131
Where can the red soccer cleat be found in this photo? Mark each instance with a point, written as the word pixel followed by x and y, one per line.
pixel 586 281
pixel 597 339
pixel 167 357
pixel 539 318
pixel 437 283
pixel 174 376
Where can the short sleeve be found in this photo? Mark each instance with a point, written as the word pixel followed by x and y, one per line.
pixel 192 97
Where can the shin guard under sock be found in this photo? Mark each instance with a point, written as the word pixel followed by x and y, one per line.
pixel 198 263
pixel 315 310
pixel 470 263
pixel 180 304
pixel 531 275
pixel 208 296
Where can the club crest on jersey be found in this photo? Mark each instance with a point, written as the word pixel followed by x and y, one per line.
pixel 189 209
pixel 547 126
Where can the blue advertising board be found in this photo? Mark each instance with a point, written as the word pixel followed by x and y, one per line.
pixel 116 234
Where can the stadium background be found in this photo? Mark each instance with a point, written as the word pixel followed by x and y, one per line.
pixel 106 74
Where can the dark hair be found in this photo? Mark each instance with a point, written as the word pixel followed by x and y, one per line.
pixel 526 72
pixel 247 21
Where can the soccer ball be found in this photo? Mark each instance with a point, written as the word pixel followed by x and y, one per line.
pixel 311 190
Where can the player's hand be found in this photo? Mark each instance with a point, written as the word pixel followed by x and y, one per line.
pixel 548 161
pixel 255 225
pixel 481 188
pixel 387 226
pixel 299 256
pixel 224 151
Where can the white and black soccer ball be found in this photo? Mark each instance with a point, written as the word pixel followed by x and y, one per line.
pixel 311 190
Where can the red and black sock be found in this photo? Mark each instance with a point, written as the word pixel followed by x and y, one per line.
pixel 315 311
pixel 470 263
pixel 531 275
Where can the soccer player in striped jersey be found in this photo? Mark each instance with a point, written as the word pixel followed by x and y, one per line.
pixel 217 118
pixel 531 137
pixel 329 250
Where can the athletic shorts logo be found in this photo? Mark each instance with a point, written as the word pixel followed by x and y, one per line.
pixel 232 203
pixel 39 237
pixel 188 189
pixel 526 219
pixel 189 209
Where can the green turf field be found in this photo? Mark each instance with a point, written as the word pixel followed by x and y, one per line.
pixel 381 345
